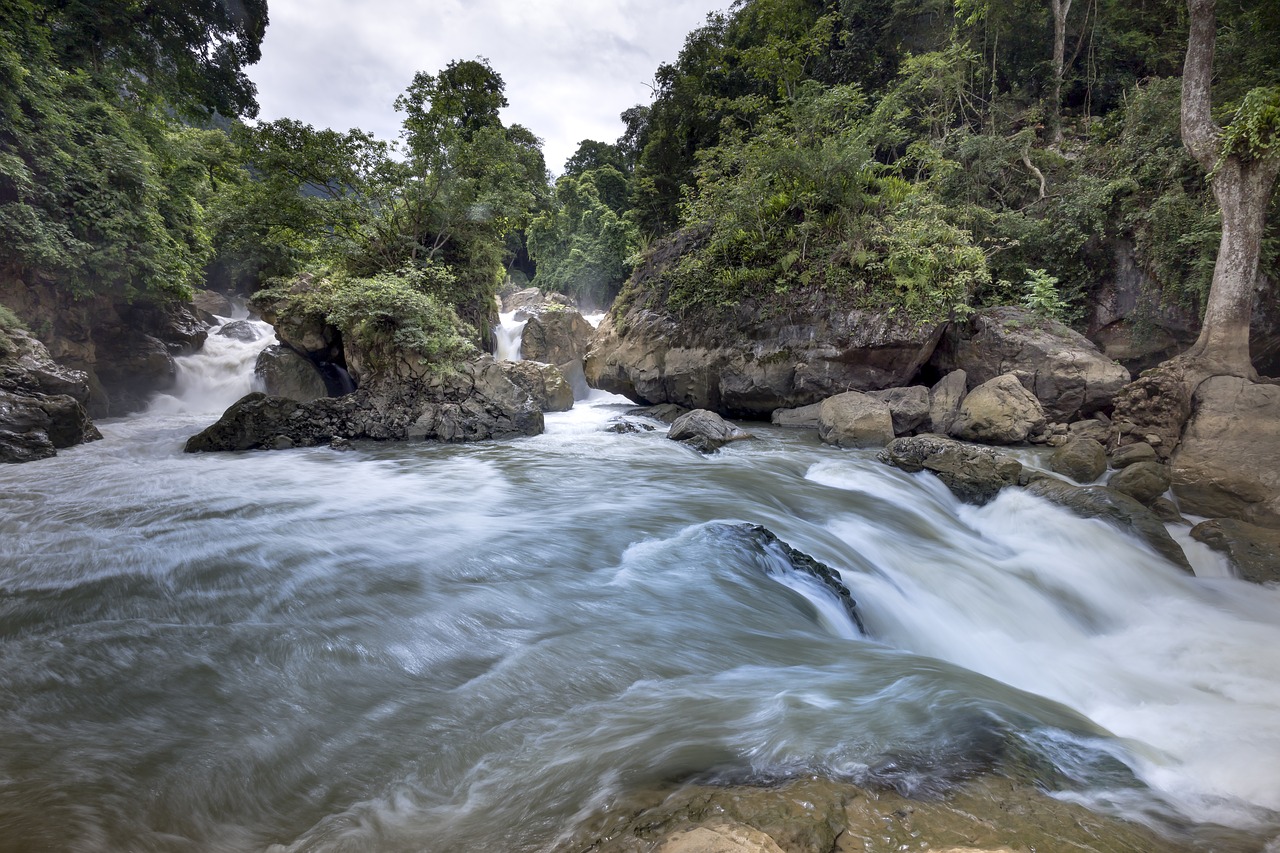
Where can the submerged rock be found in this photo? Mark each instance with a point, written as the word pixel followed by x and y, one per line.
pixel 797 560
pixel 1253 550
pixel 854 419
pixel 974 474
pixel 705 431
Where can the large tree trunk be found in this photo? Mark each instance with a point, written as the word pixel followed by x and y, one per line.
pixel 1061 8
pixel 1242 188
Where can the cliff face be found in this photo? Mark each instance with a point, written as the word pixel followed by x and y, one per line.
pixel 42 403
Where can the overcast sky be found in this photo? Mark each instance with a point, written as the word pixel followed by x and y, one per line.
pixel 570 66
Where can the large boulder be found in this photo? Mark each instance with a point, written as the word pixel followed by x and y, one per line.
pixel 285 373
pixel 42 403
pixel 1082 459
pixel 543 382
pixel 974 474
pixel 1062 368
pixel 801 416
pixel 1152 410
pixel 1142 481
pixel 556 335
pixel 534 298
pixel 239 330
pixel 1116 508
pixel 1228 463
pixel 212 302
pixel 752 361
pixel 908 406
pixel 705 431
pixel 1253 550
pixel 854 419
pixel 999 411
pixel 945 398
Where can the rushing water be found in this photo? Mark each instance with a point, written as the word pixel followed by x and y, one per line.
pixel 443 648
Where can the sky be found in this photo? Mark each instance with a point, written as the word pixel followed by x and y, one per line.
pixel 570 66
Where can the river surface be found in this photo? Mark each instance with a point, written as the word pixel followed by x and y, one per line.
pixel 474 647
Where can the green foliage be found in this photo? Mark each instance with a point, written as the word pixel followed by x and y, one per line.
pixel 9 322
pixel 1040 294
pixel 1254 130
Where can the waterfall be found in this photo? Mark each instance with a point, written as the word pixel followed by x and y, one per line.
pixel 506 336
pixel 209 381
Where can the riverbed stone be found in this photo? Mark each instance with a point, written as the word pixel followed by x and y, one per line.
pixel 854 419
pixel 999 411
pixel 1143 481
pixel 801 416
pixel 1082 459
pixel 705 431
pixel 1131 454
pixel 239 330
pixel 908 407
pixel 720 837
pixel 1116 508
pixel 974 474
pixel 1253 550
pixel 945 398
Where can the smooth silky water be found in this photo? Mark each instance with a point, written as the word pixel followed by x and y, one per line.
pixel 443 648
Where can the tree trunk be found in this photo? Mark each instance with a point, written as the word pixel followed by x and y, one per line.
pixel 1061 8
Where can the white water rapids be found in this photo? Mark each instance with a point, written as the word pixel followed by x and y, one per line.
pixel 470 647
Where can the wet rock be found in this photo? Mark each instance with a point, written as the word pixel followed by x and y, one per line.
pixel 909 407
pixel 974 474
pixel 543 382
pixel 664 412
pixel 1228 464
pixel 212 302
pixel 1143 481
pixel 1130 454
pixel 626 427
pixel 1082 459
pixel 42 403
pixel 134 367
pixel 556 335
pixel 803 416
pixel 1167 511
pixel 945 398
pixel 1063 369
pixel 285 373
pixel 719 837
pixel 854 419
pixel 1253 550
pixel 999 411
pixel 239 330
pixel 767 541
pixel 705 431
pixel 1116 508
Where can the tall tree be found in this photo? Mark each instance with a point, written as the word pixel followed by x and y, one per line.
pixel 1243 162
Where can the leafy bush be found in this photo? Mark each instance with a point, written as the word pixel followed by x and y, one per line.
pixel 8 322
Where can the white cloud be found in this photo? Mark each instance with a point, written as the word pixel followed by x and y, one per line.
pixel 570 66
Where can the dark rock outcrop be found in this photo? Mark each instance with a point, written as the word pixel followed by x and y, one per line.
pixel 768 542
pixel 1116 508
pixel 1062 368
pixel 705 431
pixel 999 411
pixel 974 474
pixel 1253 550
pixel 42 403
pixel 854 419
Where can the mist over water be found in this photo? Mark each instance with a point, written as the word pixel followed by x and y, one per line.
pixel 472 647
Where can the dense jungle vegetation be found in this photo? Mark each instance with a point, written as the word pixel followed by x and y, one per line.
pixel 922 156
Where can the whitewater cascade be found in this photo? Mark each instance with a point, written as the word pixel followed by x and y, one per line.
pixel 212 379
pixel 506 336
pixel 470 647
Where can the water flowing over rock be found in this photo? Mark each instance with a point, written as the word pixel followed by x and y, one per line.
pixel 999 411
pixel 543 382
pixel 1228 463
pixel 1082 459
pixel 1115 507
pixel 748 365
pixel 1253 550
pixel 705 431
pixel 974 474
pixel 42 403
pixel 854 419
pixel 1062 368
pixel 798 561
pixel 285 373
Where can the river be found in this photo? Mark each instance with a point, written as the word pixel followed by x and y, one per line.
pixel 473 647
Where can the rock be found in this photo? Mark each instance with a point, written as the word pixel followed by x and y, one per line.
pixel 909 407
pixel 625 427
pixel 1132 453
pixel 747 362
pixel 664 412
pixel 720 837
pixel 556 335
pixel 42 403
pixel 27 368
pixel 533 297
pixel 854 419
pixel 944 401
pixel 1116 508
pixel 804 416
pixel 768 543
pixel 543 382
pixel 705 431
pixel 211 302
pixel 1167 511
pixel 285 373
pixel 1060 367
pixel 1082 459
pixel 1094 429
pixel 999 411
pixel 974 474
pixel 1155 404
pixel 133 367
pixel 1228 464
pixel 1253 550
pixel 29 446
pixel 240 330
pixel 1143 481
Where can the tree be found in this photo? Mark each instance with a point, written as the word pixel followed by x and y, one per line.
pixel 1243 162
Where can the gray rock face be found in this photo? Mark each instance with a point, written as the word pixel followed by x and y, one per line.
pixel 974 474
pixel 803 416
pixel 1143 481
pixel 1255 551
pixel 908 406
pixel 533 297
pixel 854 419
pixel 42 403
pixel 748 365
pixel 1094 429
pixel 945 398
pixel 285 373
pixel 240 330
pixel 1116 508
pixel 999 411
pixel 1228 463
pixel 475 403
pixel 1062 368
pixel 556 335
pixel 1082 459
pixel 543 382
pixel 212 302
pixel 705 431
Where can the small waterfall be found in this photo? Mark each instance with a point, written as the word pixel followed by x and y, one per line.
pixel 506 336
pixel 220 373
